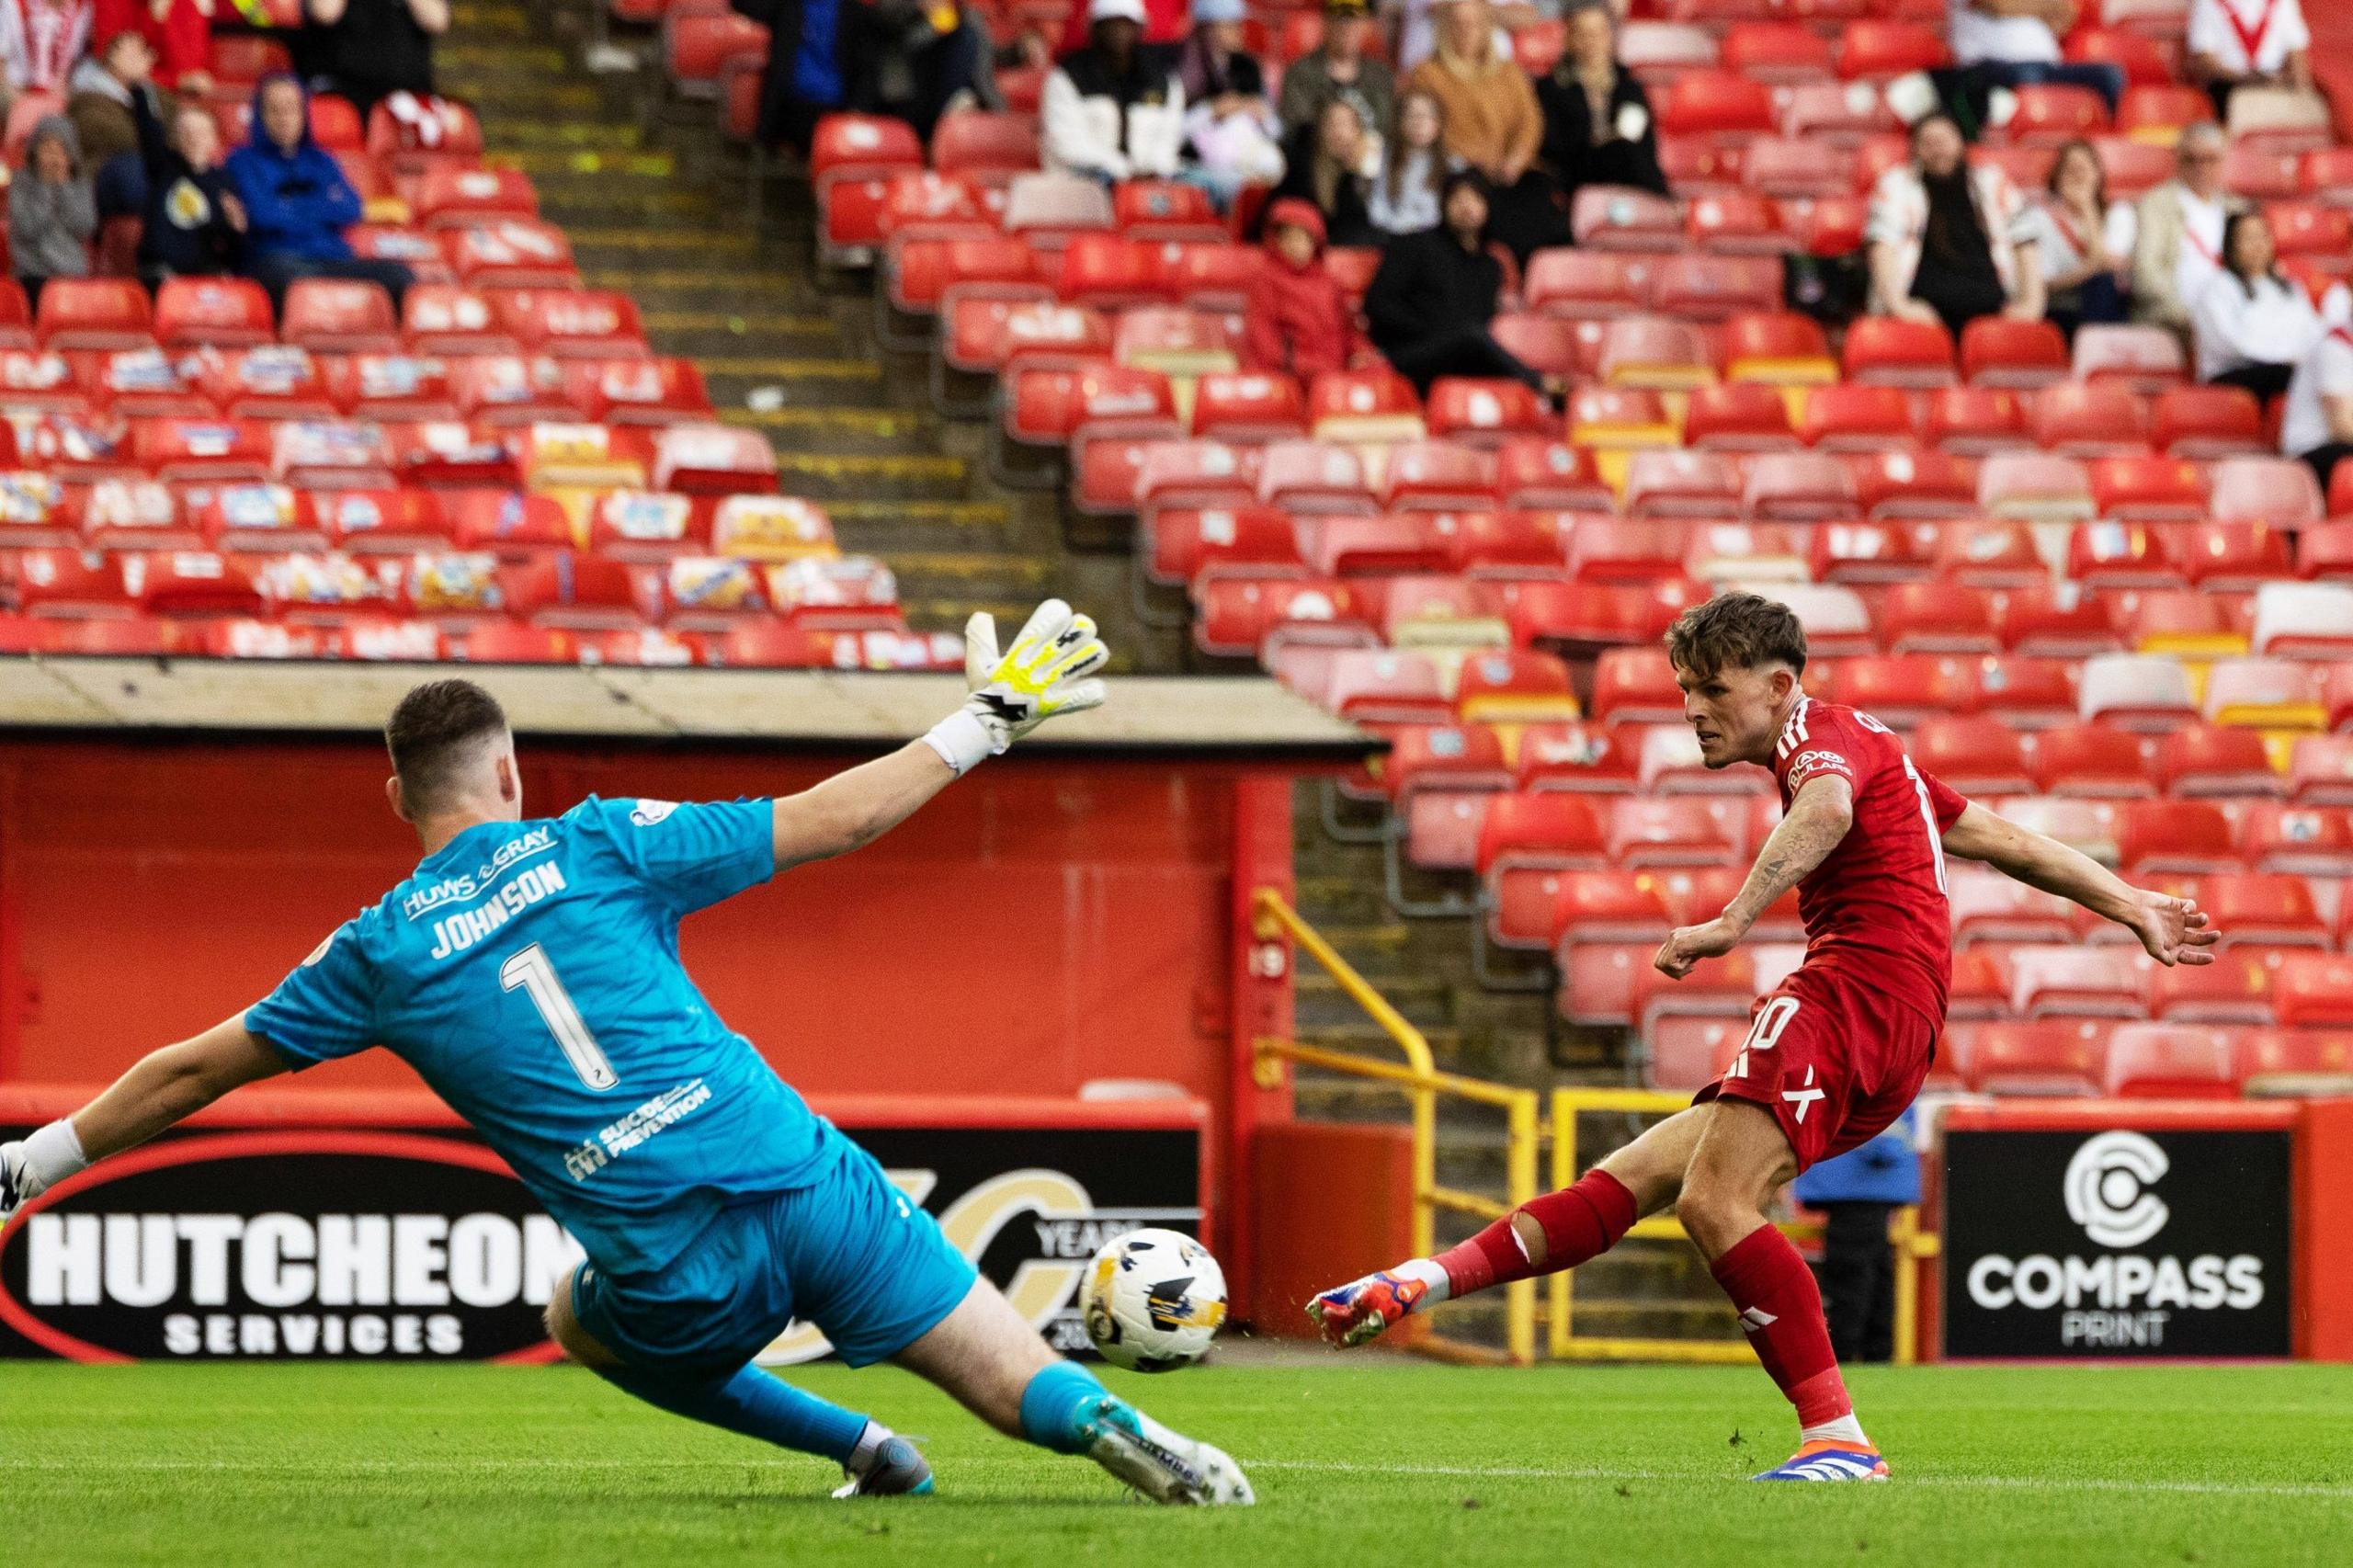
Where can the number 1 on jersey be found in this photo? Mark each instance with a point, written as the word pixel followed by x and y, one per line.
pixel 530 971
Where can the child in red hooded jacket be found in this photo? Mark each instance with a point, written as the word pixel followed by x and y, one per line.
pixel 1298 320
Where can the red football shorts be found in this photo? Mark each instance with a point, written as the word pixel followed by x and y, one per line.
pixel 1835 1061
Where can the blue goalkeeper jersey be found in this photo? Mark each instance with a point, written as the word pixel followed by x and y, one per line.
pixel 529 973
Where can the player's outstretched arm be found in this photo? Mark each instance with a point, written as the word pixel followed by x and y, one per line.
pixel 2173 930
pixel 1045 673
pixel 163 1087
pixel 1817 819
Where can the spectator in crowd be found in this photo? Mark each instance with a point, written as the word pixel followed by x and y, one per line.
pixel 296 200
pixel 1330 169
pixel 2317 423
pixel 178 36
pixel 1405 194
pixel 1493 125
pixel 810 44
pixel 1165 23
pixel 1418 28
pixel 2014 44
pixel 2084 240
pixel 2179 246
pixel 40 42
pixel 1948 243
pixel 1858 1192
pixel 2248 43
pixel 1114 109
pixel 1598 125
pixel 194 226
pixel 920 60
pixel 99 93
pixel 1434 294
pixel 2252 325
pixel 1299 321
pixel 51 214
pixel 1339 68
pixel 368 49
pixel 1229 124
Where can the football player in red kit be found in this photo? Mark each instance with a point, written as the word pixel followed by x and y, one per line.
pixel 1834 1054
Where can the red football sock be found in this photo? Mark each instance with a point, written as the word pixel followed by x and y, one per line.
pixel 1580 1222
pixel 1781 1308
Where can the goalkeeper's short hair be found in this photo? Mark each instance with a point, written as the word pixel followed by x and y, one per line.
pixel 433 733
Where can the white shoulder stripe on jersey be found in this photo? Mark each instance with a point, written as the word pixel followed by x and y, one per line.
pixel 1794 731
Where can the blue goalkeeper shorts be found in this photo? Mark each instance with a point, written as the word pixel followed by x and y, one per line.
pixel 847 1253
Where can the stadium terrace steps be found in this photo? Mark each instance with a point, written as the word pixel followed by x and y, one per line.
pixel 651 208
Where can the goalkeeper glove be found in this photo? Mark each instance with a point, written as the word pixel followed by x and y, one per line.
pixel 1043 673
pixel 31 1167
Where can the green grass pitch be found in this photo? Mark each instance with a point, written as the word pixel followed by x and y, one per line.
pixel 1373 1458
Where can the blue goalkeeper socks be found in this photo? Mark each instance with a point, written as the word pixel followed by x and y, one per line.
pixel 754 1404
pixel 1058 1407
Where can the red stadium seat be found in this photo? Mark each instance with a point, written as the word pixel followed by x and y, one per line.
pixel 1513 685
pixel 1778 347
pixel 2207 422
pixel 1242 407
pixel 1881 50
pixel 1688 830
pixel 448 198
pixel 511 253
pixel 2319 771
pixel 1998 352
pixel 1397 542
pixel 1715 288
pixel 991 147
pixel 1807 487
pixel 2277 492
pixel 1738 416
pixel 1442 476
pixel 2049 113
pixel 1165 210
pixel 1975 421
pixel 2057 1057
pixel 2263 909
pixel 94 313
pixel 2091 420
pixel 1635 686
pixel 508 642
pixel 585 324
pixel 1563 281
pixel 2159 113
pixel 2309 621
pixel 1924 483
pixel 2158 1062
pixel 2041 487
pixel 1622 218
pixel 1975 754
pixel 1718 104
pixel 2148 490
pixel 2313 990
pixel 2096 761
pixel 1887 351
pixel 1736 223
pixel 2210 759
pixel 2304 840
pixel 332 315
pixel 1484 412
pixel 1857 418
pixel 1936 618
pixel 2120 555
pixel 2077 983
pixel 221 313
pixel 1678 483
pixel 2183 837
pixel 1988 554
pixel 2296 1064
pixel 1579 759
pixel 2144 358
pixel 1539 473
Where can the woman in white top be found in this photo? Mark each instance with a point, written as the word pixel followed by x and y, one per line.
pixel 2318 423
pixel 2248 43
pixel 2084 240
pixel 2252 325
pixel 1404 199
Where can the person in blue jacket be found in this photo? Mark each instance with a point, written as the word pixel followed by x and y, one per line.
pixel 298 204
pixel 1858 1193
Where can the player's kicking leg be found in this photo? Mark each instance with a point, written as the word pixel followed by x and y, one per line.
pixel 1719 1164
pixel 1558 1231
pixel 875 1461
pixel 989 1358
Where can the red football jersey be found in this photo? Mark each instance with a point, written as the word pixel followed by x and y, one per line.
pixel 1876 910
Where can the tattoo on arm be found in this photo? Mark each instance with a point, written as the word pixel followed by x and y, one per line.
pixel 1817 820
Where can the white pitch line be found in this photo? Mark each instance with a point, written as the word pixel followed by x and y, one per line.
pixel 2000 1483
pixel 1466 1472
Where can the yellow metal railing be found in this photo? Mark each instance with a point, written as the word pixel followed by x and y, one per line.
pixel 1422 1084
pixel 1525 1133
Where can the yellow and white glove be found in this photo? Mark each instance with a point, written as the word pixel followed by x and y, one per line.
pixel 1046 672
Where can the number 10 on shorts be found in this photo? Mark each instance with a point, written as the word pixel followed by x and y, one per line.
pixel 1765 1033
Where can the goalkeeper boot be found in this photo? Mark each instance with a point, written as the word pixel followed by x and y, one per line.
pixel 1829 1460
pixel 1166 1466
pixel 1356 1311
pixel 891 1467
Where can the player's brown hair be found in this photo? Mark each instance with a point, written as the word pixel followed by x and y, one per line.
pixel 428 731
pixel 1735 631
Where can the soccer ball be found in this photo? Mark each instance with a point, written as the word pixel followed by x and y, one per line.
pixel 1153 1300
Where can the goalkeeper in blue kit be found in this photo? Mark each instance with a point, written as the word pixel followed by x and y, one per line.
pixel 529 971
